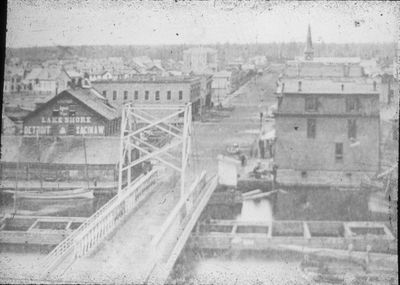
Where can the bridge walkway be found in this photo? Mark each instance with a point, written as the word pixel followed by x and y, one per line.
pixel 125 256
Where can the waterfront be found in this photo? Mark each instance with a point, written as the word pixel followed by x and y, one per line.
pixel 60 208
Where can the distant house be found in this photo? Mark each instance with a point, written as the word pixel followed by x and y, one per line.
pixel 78 111
pixel 13 80
pixel 103 75
pixel 327 132
pixel 8 127
pixel 221 84
pixel 141 64
pixel 200 60
pixel 156 69
pixel 47 80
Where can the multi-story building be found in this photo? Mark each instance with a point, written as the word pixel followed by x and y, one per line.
pixel 152 90
pixel 200 60
pixel 327 132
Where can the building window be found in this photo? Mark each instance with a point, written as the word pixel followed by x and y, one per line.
pixel 352 128
pixel 168 95
pixel 353 104
pixel 56 113
pixel 136 95
pixel 71 112
pixel 104 93
pixel 157 95
pixel 146 95
pixel 339 152
pixel 395 130
pixel 114 95
pixel 125 95
pixel 71 130
pixel 311 104
pixel 180 95
pixel 311 128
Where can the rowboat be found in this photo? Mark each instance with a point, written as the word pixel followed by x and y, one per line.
pixel 251 193
pixel 260 195
pixel 77 193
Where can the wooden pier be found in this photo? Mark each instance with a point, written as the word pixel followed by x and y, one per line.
pixel 229 234
pixel 37 230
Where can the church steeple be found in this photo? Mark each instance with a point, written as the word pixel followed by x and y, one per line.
pixel 309 51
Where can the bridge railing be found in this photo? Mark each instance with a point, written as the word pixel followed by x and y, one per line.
pixel 168 244
pixel 176 221
pixel 101 223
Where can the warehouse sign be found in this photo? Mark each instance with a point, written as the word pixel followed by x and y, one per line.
pixel 64 130
pixel 90 130
pixel 66 120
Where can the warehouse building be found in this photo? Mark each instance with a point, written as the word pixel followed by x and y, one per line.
pixel 74 112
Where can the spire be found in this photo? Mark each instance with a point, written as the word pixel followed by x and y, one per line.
pixel 309 51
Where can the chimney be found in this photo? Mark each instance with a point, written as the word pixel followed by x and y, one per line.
pixel 299 89
pixel 374 85
pixel 342 87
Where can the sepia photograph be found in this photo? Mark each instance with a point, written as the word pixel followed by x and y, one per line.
pixel 199 142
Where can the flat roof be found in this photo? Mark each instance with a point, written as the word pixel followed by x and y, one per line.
pixel 327 87
pixel 328 60
pixel 149 79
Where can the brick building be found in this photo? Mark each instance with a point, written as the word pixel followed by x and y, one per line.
pixel 327 132
pixel 78 111
pixel 152 90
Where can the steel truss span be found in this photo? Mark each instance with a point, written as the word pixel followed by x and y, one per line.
pixel 154 133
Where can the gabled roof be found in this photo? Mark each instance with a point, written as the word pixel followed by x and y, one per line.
pixel 44 74
pixel 325 86
pixel 73 73
pixel 223 73
pixel 89 97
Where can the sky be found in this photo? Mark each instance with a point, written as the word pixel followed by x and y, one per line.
pixel 124 22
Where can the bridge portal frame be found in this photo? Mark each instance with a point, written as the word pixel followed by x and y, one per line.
pixel 137 119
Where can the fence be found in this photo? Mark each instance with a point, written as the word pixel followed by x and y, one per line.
pixel 101 223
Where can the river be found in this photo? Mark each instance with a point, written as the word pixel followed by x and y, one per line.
pixel 211 267
pixel 53 207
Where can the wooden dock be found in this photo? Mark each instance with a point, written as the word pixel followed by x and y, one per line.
pixel 229 234
pixel 37 230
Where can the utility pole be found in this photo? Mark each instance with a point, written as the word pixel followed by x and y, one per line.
pixel 86 164
pixel 16 187
pixel 40 167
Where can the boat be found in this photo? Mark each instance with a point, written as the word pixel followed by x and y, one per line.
pixel 77 193
pixel 250 193
pixel 259 195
